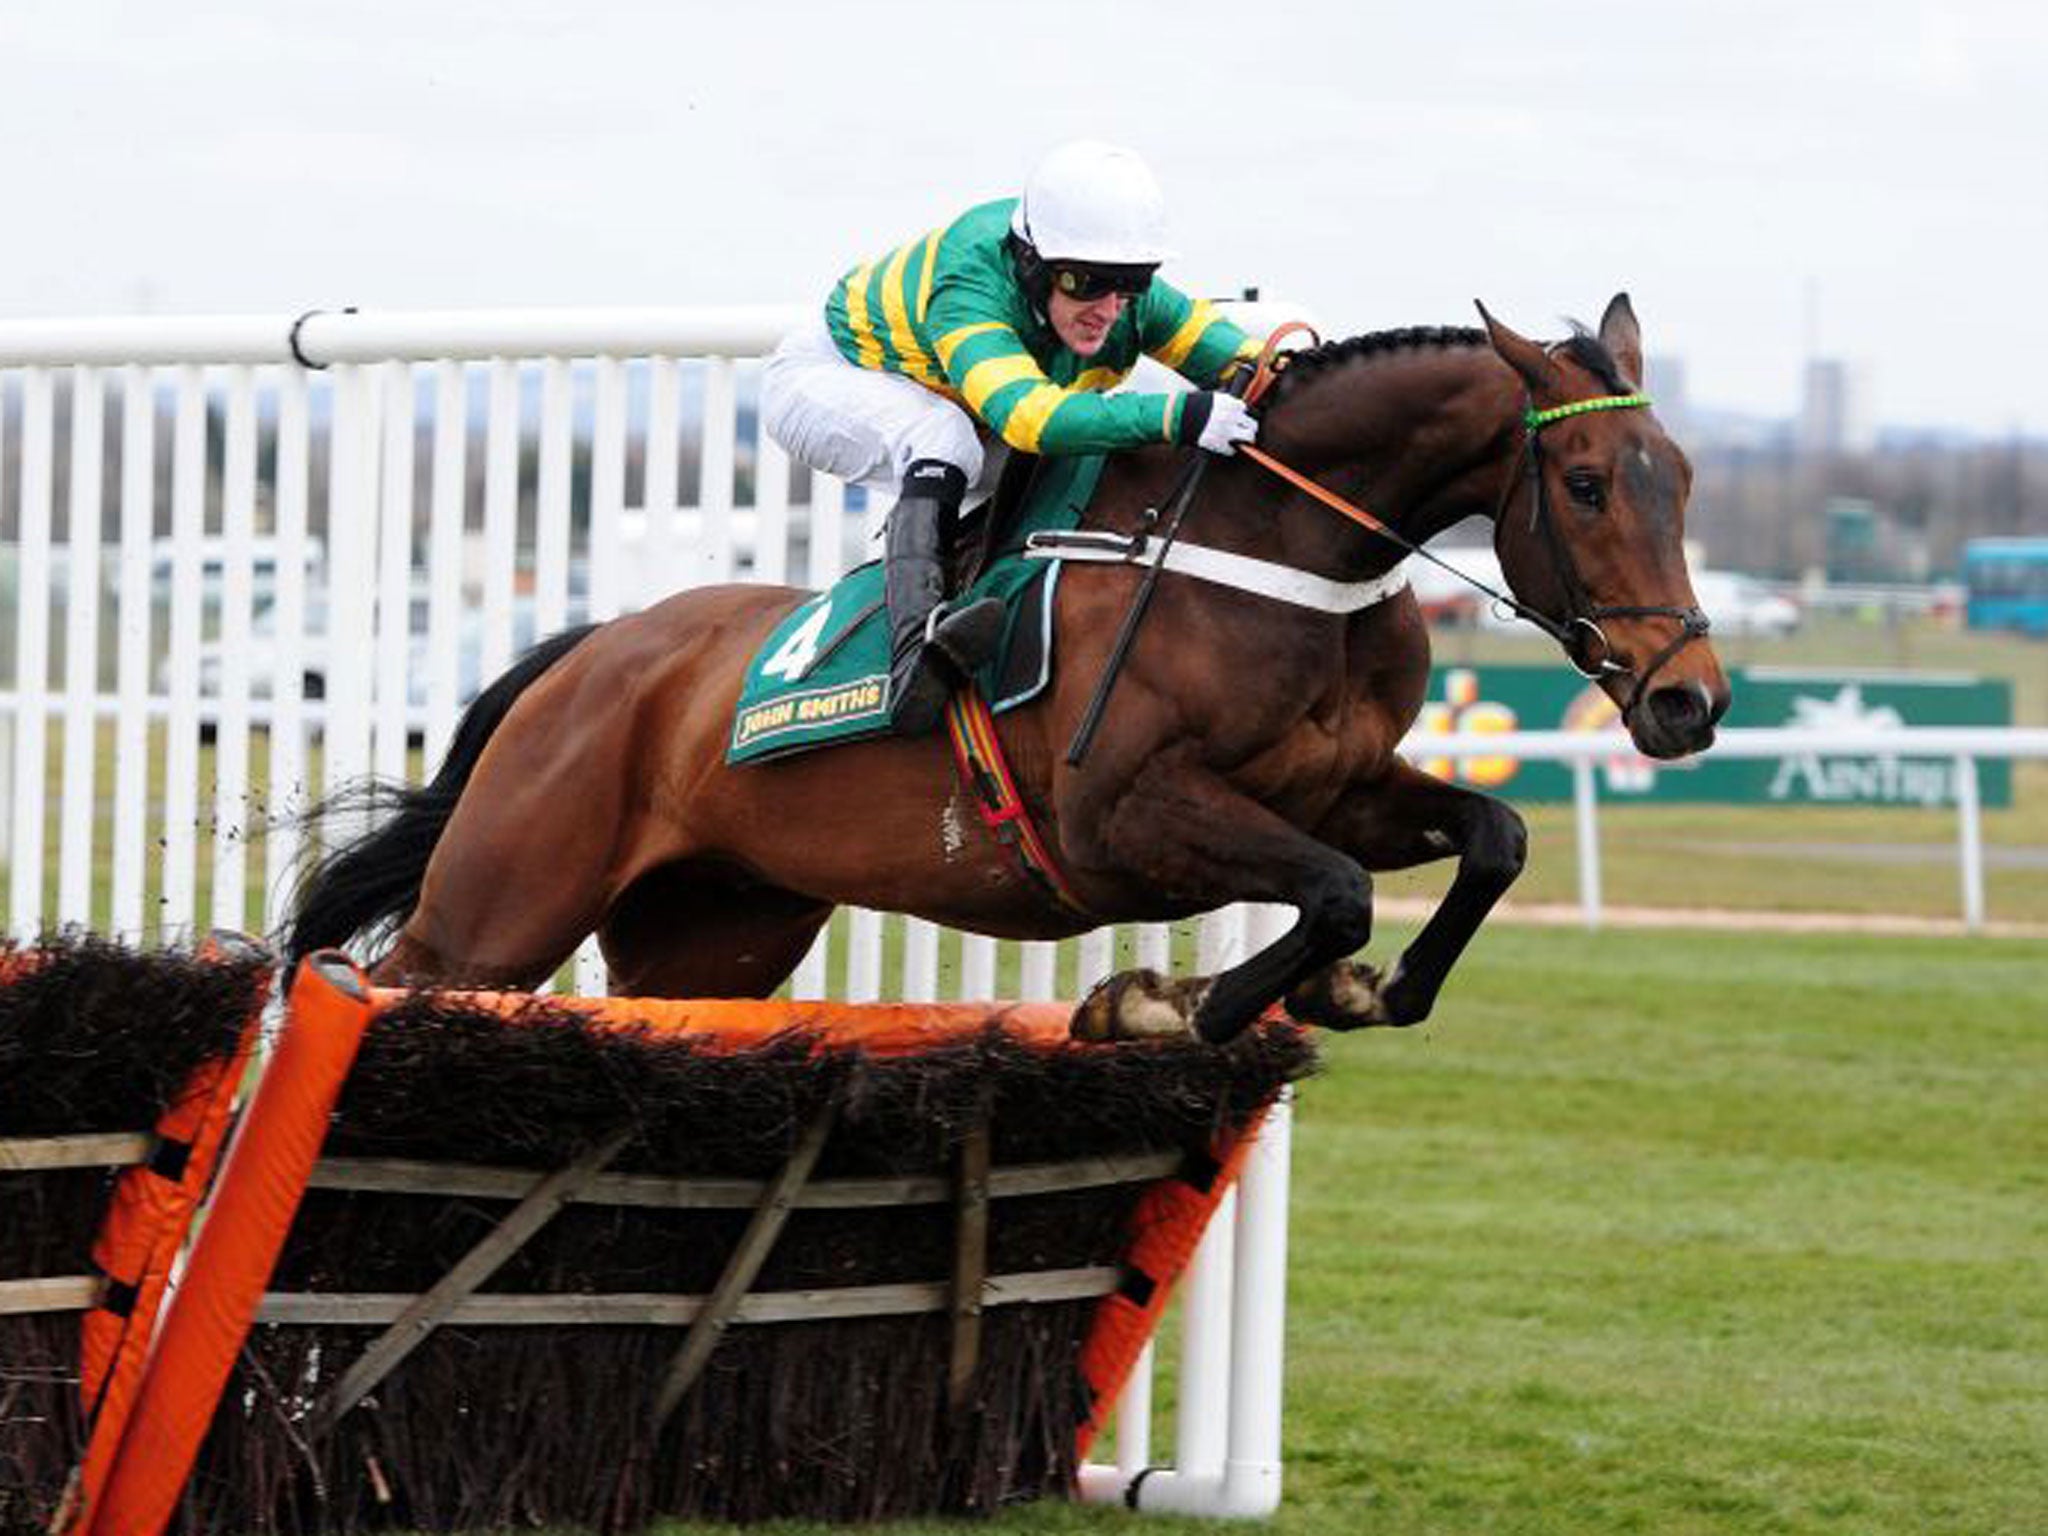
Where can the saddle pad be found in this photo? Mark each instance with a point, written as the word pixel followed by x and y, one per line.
pixel 822 675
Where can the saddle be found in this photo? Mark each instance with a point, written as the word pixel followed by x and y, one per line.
pixel 821 678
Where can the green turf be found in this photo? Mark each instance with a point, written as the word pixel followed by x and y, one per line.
pixel 1672 1232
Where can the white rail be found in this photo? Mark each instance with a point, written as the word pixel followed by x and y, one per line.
pixel 1965 746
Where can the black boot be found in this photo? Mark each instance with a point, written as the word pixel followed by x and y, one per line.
pixel 931 650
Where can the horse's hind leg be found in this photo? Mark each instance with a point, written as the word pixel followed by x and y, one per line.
pixel 1407 819
pixel 701 930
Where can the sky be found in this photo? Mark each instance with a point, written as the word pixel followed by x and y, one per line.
pixel 1767 180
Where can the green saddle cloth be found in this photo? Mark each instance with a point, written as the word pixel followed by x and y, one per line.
pixel 822 675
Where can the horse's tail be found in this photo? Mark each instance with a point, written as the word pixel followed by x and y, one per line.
pixel 373 880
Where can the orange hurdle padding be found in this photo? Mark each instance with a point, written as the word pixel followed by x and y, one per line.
pixel 146 1224
pixel 1166 1228
pixel 261 1183
pixel 740 1024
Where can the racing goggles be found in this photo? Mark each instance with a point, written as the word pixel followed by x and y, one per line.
pixel 1088 282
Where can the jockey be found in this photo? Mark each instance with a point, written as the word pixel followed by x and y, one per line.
pixel 1009 322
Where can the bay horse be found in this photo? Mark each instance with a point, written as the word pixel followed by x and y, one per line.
pixel 1249 752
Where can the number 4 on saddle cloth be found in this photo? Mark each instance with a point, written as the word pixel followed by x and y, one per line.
pixel 822 675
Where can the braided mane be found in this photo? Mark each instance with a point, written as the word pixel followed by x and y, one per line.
pixel 1302 365
pixel 1582 347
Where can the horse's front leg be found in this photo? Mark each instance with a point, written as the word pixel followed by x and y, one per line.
pixel 1405 819
pixel 1191 837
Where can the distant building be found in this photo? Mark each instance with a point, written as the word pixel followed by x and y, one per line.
pixel 1666 384
pixel 1834 413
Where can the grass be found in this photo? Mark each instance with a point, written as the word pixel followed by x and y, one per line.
pixel 1673 1233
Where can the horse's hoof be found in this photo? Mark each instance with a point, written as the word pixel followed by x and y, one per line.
pixel 1135 1005
pixel 1347 995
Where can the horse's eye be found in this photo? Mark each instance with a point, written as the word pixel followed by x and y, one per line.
pixel 1586 488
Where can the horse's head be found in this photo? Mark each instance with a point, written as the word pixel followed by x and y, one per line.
pixel 1591 532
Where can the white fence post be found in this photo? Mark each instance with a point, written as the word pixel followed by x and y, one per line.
pixel 1586 801
pixel 1970 830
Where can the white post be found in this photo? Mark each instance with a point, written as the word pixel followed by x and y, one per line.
pixel 1134 1419
pixel 1155 947
pixel 181 748
pixel 81 651
pixel 977 967
pixel 714 472
pixel 1258 1324
pixel 607 596
pixel 1202 1418
pixel 445 501
pixel 390 636
pixel 354 437
pixel 589 976
pixel 1586 799
pixel 133 601
pixel 551 500
pixel 231 812
pixel 920 961
pixel 771 513
pixel 31 657
pixel 1970 831
pixel 864 956
pixel 1038 968
pixel 663 550
pixel 290 793
pixel 809 979
pixel 1097 954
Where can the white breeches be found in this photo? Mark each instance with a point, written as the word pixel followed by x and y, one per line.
pixel 866 427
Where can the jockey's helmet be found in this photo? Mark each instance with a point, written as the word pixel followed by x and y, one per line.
pixel 1092 204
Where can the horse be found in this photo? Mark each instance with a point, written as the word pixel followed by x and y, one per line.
pixel 1248 752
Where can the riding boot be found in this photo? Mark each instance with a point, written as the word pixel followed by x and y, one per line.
pixel 932 649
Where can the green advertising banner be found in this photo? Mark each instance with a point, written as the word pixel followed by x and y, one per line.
pixel 1543 698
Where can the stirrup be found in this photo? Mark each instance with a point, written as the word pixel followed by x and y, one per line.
pixel 965 638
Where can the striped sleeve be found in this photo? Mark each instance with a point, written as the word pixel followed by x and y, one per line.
pixel 1003 385
pixel 1191 336
pixel 874 311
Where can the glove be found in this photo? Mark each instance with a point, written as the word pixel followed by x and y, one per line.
pixel 1226 422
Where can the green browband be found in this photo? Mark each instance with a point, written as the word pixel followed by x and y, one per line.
pixel 1536 420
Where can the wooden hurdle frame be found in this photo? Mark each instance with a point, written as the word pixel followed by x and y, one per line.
pixel 1227 1445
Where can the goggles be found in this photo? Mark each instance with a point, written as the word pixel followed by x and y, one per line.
pixel 1086 283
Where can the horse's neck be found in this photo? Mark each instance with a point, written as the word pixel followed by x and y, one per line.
pixel 1420 439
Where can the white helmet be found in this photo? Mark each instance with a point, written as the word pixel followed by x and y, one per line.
pixel 1093 202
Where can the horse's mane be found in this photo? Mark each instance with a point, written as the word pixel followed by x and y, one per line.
pixel 1581 346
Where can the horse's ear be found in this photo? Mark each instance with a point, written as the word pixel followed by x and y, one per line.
pixel 1521 354
pixel 1623 338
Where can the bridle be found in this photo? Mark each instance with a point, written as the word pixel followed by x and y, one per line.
pixel 1578 633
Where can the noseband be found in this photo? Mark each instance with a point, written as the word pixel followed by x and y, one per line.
pixel 1578 632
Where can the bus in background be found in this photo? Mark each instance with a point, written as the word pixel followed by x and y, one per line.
pixel 2005 584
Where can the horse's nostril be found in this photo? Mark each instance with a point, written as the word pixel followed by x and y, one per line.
pixel 1683 707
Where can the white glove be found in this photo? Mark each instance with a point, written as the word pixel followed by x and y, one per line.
pixel 1230 423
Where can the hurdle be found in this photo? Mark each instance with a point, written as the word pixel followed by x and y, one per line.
pixel 179 1449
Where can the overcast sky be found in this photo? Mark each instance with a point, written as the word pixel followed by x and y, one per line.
pixel 1864 176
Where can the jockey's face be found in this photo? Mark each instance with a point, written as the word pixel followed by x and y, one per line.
pixel 1083 324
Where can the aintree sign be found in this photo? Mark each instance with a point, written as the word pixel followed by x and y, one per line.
pixel 1537 698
